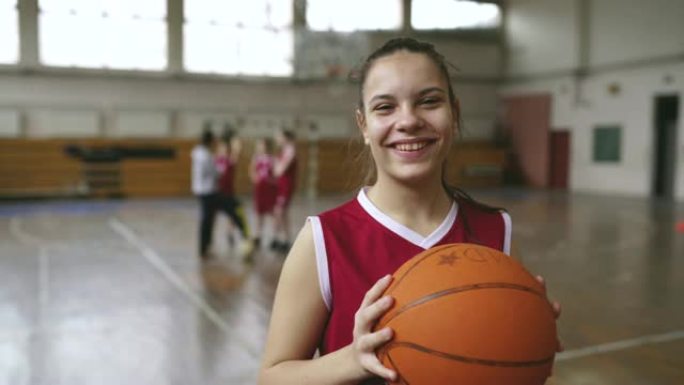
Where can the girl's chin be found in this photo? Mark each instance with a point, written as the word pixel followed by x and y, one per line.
pixel 418 175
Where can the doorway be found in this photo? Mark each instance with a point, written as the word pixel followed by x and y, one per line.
pixel 560 159
pixel 665 142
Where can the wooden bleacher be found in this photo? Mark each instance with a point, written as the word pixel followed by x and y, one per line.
pixel 37 168
pixel 476 164
pixel 41 167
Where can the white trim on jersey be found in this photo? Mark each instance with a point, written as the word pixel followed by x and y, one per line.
pixel 405 232
pixel 508 228
pixel 321 260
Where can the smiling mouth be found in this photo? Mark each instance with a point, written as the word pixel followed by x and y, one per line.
pixel 411 147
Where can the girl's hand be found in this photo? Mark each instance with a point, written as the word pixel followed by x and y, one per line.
pixel 365 341
pixel 556 310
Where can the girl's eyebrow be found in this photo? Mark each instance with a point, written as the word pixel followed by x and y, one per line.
pixel 430 90
pixel 381 97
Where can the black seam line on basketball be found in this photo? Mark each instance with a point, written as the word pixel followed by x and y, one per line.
pixel 460 289
pixel 399 376
pixel 470 360
pixel 434 251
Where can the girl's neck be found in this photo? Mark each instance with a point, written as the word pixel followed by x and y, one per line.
pixel 420 206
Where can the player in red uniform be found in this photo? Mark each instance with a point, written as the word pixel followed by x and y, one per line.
pixel 227 155
pixel 286 173
pixel 329 293
pixel 265 189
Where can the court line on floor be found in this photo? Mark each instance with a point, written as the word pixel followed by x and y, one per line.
pixel 620 345
pixel 43 258
pixel 22 236
pixel 167 272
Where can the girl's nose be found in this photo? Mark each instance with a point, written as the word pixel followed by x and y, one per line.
pixel 408 120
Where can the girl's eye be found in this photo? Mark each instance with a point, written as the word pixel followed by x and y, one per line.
pixel 430 101
pixel 383 107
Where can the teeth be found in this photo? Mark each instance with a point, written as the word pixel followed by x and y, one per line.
pixel 411 146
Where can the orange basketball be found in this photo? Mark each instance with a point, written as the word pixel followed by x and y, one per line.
pixel 468 314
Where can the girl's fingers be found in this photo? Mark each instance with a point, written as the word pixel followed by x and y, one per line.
pixel 378 369
pixel 376 291
pixel 372 364
pixel 367 316
pixel 556 309
pixel 371 309
pixel 541 280
pixel 555 305
pixel 372 341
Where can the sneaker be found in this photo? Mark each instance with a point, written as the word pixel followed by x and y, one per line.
pixel 246 249
pixel 275 245
pixel 284 247
pixel 206 257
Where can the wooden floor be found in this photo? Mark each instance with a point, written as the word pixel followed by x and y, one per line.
pixel 112 293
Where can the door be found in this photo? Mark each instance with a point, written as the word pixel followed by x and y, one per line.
pixel 665 145
pixel 527 119
pixel 560 159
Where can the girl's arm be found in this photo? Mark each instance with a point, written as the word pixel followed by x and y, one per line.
pixel 235 149
pixel 298 321
pixel 253 170
pixel 283 163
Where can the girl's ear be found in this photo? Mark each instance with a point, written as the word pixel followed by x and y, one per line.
pixel 361 124
pixel 456 108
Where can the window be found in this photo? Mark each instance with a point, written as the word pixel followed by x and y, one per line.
pixel 353 15
pixel 122 34
pixel 9 32
pixel 454 14
pixel 237 37
pixel 607 144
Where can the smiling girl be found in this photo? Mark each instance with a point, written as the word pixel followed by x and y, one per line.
pixel 329 293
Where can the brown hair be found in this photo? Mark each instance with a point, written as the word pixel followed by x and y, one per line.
pixel 288 134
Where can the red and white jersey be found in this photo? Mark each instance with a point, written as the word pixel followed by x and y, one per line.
pixel 356 244
pixel 287 182
pixel 288 154
pixel 226 180
pixel 263 165
pixel 265 189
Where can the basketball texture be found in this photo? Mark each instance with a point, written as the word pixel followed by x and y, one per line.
pixel 469 315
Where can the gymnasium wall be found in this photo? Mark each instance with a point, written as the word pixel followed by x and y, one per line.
pixel 44 109
pixel 632 52
pixel 541 37
pixel 550 37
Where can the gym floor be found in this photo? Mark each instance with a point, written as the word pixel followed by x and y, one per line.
pixel 112 292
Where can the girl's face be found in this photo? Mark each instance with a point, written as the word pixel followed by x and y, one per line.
pixel 279 138
pixel 407 118
pixel 260 146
